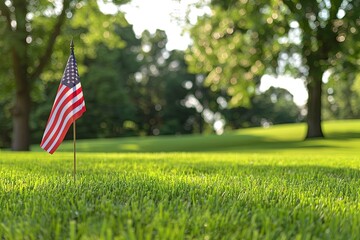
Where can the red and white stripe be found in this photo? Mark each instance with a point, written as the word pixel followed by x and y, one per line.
pixel 68 106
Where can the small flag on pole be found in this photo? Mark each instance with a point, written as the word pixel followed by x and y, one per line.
pixel 68 106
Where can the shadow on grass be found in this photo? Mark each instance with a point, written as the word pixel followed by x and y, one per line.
pixel 208 143
pixel 343 135
pixel 233 143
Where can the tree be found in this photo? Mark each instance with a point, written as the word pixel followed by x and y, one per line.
pixel 342 95
pixel 274 106
pixel 30 30
pixel 176 116
pixel 136 90
pixel 242 40
pixel 107 93
pixel 157 88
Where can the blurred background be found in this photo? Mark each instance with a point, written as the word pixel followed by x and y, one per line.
pixel 171 67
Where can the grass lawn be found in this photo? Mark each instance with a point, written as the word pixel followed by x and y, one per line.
pixel 248 184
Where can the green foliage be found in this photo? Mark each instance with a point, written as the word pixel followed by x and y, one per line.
pixel 176 116
pixel 88 27
pixel 341 99
pixel 137 90
pixel 157 88
pixel 291 190
pixel 32 41
pixel 235 46
pixel 99 27
pixel 243 39
pixel 104 85
pixel 106 88
pixel 274 106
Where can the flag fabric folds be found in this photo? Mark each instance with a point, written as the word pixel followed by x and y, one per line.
pixel 68 106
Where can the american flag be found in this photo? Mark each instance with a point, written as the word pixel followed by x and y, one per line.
pixel 68 106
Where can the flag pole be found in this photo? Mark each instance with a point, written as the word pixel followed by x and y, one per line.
pixel 74 131
pixel 74 125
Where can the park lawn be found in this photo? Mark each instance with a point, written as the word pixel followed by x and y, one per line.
pixel 262 184
pixel 340 136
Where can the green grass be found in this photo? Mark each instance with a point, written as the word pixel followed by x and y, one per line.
pixel 250 184
pixel 340 135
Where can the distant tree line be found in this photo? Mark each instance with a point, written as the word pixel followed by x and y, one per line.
pixel 144 89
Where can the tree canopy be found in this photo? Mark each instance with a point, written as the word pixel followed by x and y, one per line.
pixel 242 40
pixel 31 32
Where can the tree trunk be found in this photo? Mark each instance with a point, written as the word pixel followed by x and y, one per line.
pixel 314 129
pixel 21 108
pixel 20 62
pixel 21 117
pixel 22 101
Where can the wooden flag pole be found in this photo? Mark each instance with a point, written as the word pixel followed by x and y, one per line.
pixel 74 131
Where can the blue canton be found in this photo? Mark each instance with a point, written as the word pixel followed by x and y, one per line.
pixel 71 75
